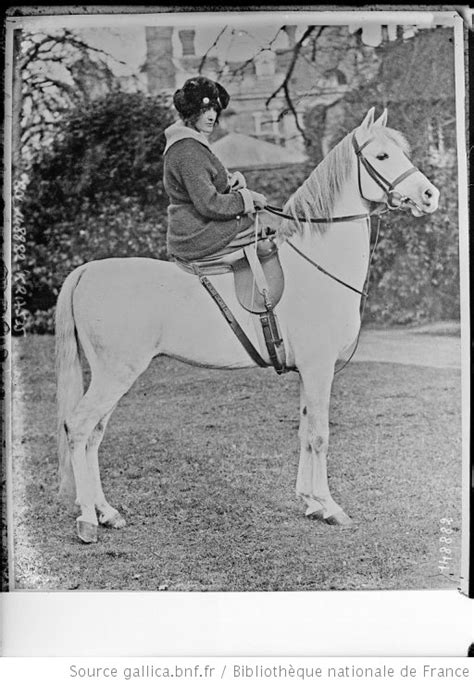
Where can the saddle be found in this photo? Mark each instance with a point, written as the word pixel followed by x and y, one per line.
pixel 258 276
pixel 259 284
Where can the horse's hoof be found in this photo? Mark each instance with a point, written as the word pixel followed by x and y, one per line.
pixel 340 519
pixel 314 514
pixel 115 521
pixel 86 531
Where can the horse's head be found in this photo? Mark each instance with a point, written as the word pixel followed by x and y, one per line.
pixel 385 172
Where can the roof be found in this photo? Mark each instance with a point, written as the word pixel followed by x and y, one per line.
pixel 238 151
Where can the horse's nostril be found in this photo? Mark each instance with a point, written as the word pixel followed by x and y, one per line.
pixel 428 193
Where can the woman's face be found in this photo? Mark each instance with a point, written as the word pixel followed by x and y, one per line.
pixel 206 121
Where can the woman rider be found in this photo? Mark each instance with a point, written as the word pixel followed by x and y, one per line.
pixel 210 210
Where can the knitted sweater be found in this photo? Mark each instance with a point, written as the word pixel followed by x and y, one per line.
pixel 204 215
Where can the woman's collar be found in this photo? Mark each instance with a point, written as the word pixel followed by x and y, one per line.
pixel 179 131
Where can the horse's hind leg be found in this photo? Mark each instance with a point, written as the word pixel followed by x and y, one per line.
pixel 98 402
pixel 108 516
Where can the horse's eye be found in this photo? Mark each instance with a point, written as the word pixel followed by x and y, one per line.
pixel 382 156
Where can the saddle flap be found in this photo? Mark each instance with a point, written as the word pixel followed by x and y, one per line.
pixel 255 271
pixel 250 286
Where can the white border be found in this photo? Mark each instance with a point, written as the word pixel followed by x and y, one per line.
pixel 426 623
pixel 7 247
pixel 421 18
pixel 437 623
pixel 459 67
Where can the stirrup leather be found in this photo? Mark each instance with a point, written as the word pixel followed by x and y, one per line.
pixel 259 288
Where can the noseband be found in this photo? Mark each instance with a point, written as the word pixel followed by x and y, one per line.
pixel 394 199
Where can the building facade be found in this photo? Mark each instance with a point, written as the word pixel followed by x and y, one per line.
pixel 324 71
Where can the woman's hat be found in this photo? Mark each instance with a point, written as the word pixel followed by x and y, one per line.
pixel 199 94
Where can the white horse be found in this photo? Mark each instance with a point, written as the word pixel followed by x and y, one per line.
pixel 125 312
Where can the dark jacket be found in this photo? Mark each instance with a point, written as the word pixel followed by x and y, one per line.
pixel 204 215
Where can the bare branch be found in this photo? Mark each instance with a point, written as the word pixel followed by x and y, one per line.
pixel 61 85
pixel 32 52
pixel 216 40
pixel 284 86
pixel 296 51
pixel 76 42
pixel 241 68
pixel 275 36
pixel 43 88
pixel 293 110
pixel 39 49
pixel 36 130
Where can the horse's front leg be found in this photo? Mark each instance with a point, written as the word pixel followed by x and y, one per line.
pixel 312 481
pixel 304 479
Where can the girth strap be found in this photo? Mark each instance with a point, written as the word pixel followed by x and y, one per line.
pixel 233 323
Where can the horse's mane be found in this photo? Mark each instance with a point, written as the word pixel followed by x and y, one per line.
pixel 317 195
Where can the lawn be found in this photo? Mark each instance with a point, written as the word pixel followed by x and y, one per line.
pixel 203 464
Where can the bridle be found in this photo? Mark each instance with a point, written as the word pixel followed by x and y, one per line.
pixel 394 199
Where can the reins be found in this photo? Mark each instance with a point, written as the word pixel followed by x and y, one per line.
pixel 363 293
pixel 270 327
pixel 314 220
pixel 338 219
pixel 366 291
pixel 394 201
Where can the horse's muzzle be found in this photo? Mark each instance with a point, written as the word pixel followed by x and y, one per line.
pixel 425 201
pixel 430 199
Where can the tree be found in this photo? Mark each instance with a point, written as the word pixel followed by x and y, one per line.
pixel 314 70
pixel 48 79
pixel 53 72
pixel 58 172
pixel 415 274
pixel 95 192
pixel 95 162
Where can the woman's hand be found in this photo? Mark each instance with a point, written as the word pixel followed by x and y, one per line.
pixel 237 181
pixel 259 200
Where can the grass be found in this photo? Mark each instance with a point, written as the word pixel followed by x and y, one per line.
pixel 203 466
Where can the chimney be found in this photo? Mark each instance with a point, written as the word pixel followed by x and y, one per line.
pixel 159 67
pixel 186 37
pixel 290 31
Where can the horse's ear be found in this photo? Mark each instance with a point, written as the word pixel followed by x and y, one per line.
pixel 369 119
pixel 382 120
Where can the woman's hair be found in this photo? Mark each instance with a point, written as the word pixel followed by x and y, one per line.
pixel 197 96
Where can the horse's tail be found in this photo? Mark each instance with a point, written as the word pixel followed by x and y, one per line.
pixel 69 378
